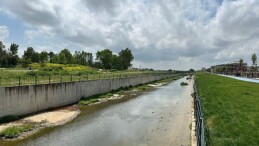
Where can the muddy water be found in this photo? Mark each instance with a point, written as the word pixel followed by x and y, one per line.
pixel 159 117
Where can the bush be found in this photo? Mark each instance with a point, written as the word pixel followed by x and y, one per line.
pixel 184 84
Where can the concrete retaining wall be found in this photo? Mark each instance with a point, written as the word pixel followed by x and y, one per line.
pixel 21 100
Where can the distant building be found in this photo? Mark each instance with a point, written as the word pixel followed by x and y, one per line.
pixel 203 69
pixel 234 68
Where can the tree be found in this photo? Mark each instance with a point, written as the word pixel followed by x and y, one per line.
pixel 3 55
pixel 14 49
pixel 65 57
pixel 8 58
pixel 126 57
pixel 83 58
pixel 13 57
pixel 30 56
pixel 241 62
pixel 254 60
pixel 105 58
pixel 43 57
pixel 191 70
pixel 116 63
pixel 51 55
pixel 27 55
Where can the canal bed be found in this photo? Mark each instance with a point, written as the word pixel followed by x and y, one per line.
pixel 159 117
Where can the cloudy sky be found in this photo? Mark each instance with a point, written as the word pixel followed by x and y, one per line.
pixel 162 34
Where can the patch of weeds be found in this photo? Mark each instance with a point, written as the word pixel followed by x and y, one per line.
pixel 15 131
pixel 87 101
pixel 184 84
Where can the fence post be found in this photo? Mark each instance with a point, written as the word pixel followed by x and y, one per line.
pixel 35 79
pixel 19 80
pixel 49 79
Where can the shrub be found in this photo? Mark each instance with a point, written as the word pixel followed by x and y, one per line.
pixel 184 84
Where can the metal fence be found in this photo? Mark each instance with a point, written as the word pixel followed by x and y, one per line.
pixel 199 119
pixel 48 79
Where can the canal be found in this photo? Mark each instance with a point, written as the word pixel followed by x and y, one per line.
pixel 158 117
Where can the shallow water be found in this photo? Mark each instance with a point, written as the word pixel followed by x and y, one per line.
pixel 134 122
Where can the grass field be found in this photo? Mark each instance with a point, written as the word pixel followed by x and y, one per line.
pixel 56 73
pixel 231 110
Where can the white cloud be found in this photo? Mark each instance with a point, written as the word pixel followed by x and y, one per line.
pixel 171 33
pixel 4 32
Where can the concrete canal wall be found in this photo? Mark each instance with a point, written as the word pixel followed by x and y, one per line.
pixel 21 100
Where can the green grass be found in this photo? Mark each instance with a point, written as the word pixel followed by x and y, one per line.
pixel 15 131
pixel 56 73
pixel 231 110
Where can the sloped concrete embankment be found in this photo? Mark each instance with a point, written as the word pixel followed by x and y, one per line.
pixel 22 100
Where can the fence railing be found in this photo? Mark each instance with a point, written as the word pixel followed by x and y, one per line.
pixel 199 119
pixel 48 79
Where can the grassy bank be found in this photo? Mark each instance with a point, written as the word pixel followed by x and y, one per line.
pixel 231 110
pixel 15 131
pixel 55 73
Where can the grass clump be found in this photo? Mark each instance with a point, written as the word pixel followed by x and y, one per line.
pixel 87 101
pixel 15 131
pixel 184 84
pixel 231 110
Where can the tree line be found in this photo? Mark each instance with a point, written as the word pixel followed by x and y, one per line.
pixel 105 59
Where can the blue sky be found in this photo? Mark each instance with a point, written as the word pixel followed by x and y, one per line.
pixel 179 34
pixel 16 29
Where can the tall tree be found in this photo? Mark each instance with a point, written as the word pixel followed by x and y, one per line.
pixel 241 61
pixel 27 55
pixel 51 55
pixel 3 55
pixel 14 49
pixel 254 60
pixel 83 58
pixel 105 58
pixel 65 57
pixel 13 59
pixel 43 57
pixel 126 57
